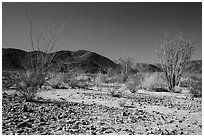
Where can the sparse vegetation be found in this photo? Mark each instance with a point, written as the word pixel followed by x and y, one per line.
pixel 154 81
pixel 126 62
pixel 134 82
pixel 194 83
pixel 79 81
pixel 99 80
pixel 47 91
pixel 30 83
pixel 116 93
pixel 174 52
pixel 37 64
pixel 57 80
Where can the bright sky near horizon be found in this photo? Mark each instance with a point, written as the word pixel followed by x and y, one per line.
pixel 105 28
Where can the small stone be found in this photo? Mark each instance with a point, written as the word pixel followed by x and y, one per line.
pixel 20 131
pixel 59 128
pixel 23 124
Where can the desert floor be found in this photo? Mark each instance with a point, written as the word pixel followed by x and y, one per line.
pixel 96 112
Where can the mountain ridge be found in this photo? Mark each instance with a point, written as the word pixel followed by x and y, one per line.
pixel 84 61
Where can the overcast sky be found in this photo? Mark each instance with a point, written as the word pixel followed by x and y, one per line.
pixel 106 28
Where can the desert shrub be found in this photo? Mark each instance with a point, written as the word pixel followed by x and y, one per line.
pixel 134 82
pixel 112 79
pixel 78 81
pixel 29 84
pixel 154 81
pixel 99 80
pixel 194 83
pixel 175 52
pixel 37 63
pixel 112 72
pixel 57 80
pixel 126 62
pixel 115 92
pixel 83 77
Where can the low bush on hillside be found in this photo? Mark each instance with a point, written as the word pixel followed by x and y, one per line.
pixel 99 80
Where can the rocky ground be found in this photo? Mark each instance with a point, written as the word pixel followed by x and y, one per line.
pixel 96 112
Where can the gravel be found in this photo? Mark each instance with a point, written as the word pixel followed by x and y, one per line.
pixel 71 118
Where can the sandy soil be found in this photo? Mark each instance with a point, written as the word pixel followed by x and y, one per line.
pixel 143 112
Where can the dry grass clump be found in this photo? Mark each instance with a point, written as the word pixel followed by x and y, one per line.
pixel 79 81
pixel 29 84
pixel 99 80
pixel 134 82
pixel 57 80
pixel 154 81
pixel 115 92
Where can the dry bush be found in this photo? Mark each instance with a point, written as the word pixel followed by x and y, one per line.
pixel 194 84
pixel 126 62
pixel 99 80
pixel 37 63
pixel 174 52
pixel 57 80
pixel 115 92
pixel 113 76
pixel 79 81
pixel 113 79
pixel 154 81
pixel 134 82
pixel 29 84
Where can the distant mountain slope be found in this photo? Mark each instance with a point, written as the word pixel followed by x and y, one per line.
pixel 144 67
pixel 80 61
pixel 83 61
pixel 12 59
pixel 194 66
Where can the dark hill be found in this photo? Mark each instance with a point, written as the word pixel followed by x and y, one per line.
pixel 83 61
pixel 194 66
pixel 12 59
pixel 80 61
